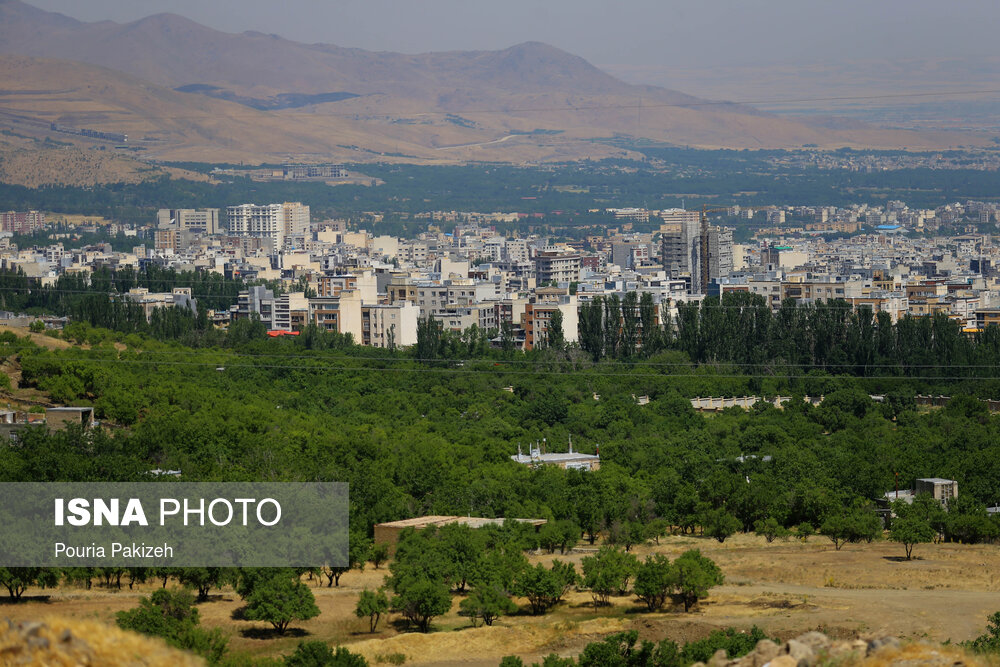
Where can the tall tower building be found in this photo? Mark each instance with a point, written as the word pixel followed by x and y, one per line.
pixel 272 221
pixel 687 248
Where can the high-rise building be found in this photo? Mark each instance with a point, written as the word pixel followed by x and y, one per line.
pixel 688 249
pixel 274 221
pixel 201 220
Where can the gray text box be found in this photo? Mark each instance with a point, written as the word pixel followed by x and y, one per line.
pixel 173 524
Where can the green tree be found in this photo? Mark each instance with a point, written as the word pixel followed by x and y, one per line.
pixel 720 524
pixel 916 523
pixel 855 524
pixel 279 601
pixel 608 573
pixel 17 579
pixel 556 338
pixel 319 654
pixel 203 579
pixel 910 531
pixel 461 545
pixel 419 600
pixel 372 604
pixel 990 641
pixel 653 581
pixel 694 576
pixel 541 586
pixel 379 554
pixel 769 529
pixel 804 530
pixel 487 603
pixel 172 616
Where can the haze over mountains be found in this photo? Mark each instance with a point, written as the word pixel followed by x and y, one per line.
pixel 184 91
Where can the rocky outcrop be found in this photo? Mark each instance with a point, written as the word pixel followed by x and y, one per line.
pixel 815 648
pixel 66 642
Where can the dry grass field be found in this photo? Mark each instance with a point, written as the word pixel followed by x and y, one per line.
pixel 786 588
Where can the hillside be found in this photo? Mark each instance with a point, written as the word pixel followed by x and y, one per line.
pixel 173 51
pixel 182 91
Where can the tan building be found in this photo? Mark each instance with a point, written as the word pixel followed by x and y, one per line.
pixel 942 490
pixel 557 266
pixel 538 314
pixel 196 220
pixel 341 313
pixel 389 325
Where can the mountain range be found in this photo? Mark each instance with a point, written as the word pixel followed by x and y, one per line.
pixel 183 91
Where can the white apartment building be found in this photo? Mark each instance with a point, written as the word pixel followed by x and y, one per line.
pixel 271 221
pixel 388 325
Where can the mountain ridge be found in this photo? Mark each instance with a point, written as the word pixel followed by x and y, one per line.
pixel 258 97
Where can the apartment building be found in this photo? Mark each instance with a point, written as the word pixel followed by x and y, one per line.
pixel 558 266
pixel 341 313
pixel 538 315
pixel 21 222
pixel 289 312
pixel 683 251
pixel 271 221
pixel 389 325
pixel 205 221
pixel 150 301
pixel 459 318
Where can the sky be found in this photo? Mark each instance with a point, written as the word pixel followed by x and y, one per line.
pixel 628 33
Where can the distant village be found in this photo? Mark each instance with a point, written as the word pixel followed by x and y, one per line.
pixel 376 287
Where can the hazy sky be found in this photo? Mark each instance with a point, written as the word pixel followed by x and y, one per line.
pixel 690 34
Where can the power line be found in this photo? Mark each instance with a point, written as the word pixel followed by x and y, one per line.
pixel 750 309
pixel 463 371
pixel 564 362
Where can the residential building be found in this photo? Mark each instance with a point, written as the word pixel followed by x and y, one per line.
pixel 179 296
pixel 942 490
pixel 389 325
pixel 272 221
pixel 687 249
pixel 558 266
pixel 205 220
pixel 538 315
pixel 341 313
pixel 21 222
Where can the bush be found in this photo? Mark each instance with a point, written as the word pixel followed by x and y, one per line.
pixel 172 616
pixel 279 601
pixel 318 654
pixel 989 642
pixel 734 642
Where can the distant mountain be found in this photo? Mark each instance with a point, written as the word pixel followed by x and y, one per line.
pixel 173 51
pixel 190 92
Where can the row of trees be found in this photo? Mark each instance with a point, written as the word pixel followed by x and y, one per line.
pixel 490 562
pixel 741 329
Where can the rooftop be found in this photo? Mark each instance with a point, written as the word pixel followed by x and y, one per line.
pixel 554 458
